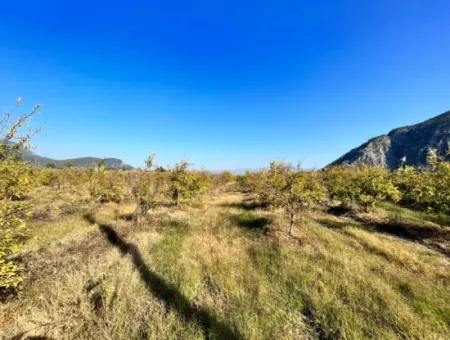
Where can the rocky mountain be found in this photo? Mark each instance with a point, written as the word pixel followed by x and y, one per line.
pixel 82 162
pixel 407 145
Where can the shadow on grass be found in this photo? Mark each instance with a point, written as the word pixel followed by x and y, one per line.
pixel 433 237
pixel 248 206
pixel 22 336
pixel 166 292
pixel 250 221
pixel 410 231
pixel 127 216
pixel 339 210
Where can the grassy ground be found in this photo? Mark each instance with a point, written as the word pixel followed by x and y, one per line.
pixel 225 269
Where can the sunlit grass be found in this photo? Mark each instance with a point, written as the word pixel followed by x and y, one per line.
pixel 333 279
pixel 414 216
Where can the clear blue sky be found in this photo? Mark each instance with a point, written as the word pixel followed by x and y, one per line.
pixel 229 84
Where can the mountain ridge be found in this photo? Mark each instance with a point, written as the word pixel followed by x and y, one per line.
pixel 406 145
pixel 82 162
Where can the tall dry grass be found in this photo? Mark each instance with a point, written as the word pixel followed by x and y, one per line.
pixel 224 268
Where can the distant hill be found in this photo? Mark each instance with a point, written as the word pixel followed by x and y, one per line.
pixel 82 162
pixel 407 145
pixel 237 172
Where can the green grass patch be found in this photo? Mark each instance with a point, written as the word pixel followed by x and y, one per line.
pixel 411 216
pixel 43 233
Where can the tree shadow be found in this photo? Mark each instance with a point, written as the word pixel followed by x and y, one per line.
pixel 340 210
pixel 248 220
pixel 403 229
pixel 248 206
pixel 433 237
pixel 410 231
pixel 129 217
pixel 22 336
pixel 166 292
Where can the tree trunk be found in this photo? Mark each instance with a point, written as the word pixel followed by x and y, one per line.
pixel 291 223
pixel 176 197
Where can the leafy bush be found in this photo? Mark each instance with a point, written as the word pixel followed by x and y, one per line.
pixel 222 179
pixel 16 179
pixel 427 189
pixel 294 190
pixel 71 179
pixel 105 185
pixel 249 182
pixel 363 185
pixel 48 177
pixel 441 182
pixel 148 191
pixel 416 186
pixel 185 184
pixel 12 226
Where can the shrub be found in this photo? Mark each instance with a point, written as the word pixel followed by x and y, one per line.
pixel 294 190
pixel 71 179
pixel 12 226
pixel 222 179
pixel 441 183
pixel 106 186
pixel 427 189
pixel 416 186
pixel 148 191
pixel 362 184
pixel 185 184
pixel 342 184
pixel 48 177
pixel 250 181
pixel 16 179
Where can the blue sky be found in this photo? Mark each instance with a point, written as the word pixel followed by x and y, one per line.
pixel 224 84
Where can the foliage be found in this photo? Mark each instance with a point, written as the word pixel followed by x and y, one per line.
pixel 13 140
pixel 441 182
pixel 150 162
pixel 427 189
pixel 222 179
pixel 362 184
pixel 185 184
pixel 12 227
pixel 148 191
pixel 48 177
pixel 342 184
pixel 250 182
pixel 72 178
pixel 16 179
pixel 415 184
pixel 294 190
pixel 105 185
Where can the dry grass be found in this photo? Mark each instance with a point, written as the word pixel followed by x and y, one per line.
pixel 224 268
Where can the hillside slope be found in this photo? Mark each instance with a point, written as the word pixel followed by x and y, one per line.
pixel 82 162
pixel 407 145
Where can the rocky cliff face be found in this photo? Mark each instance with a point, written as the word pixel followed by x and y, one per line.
pixel 408 145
